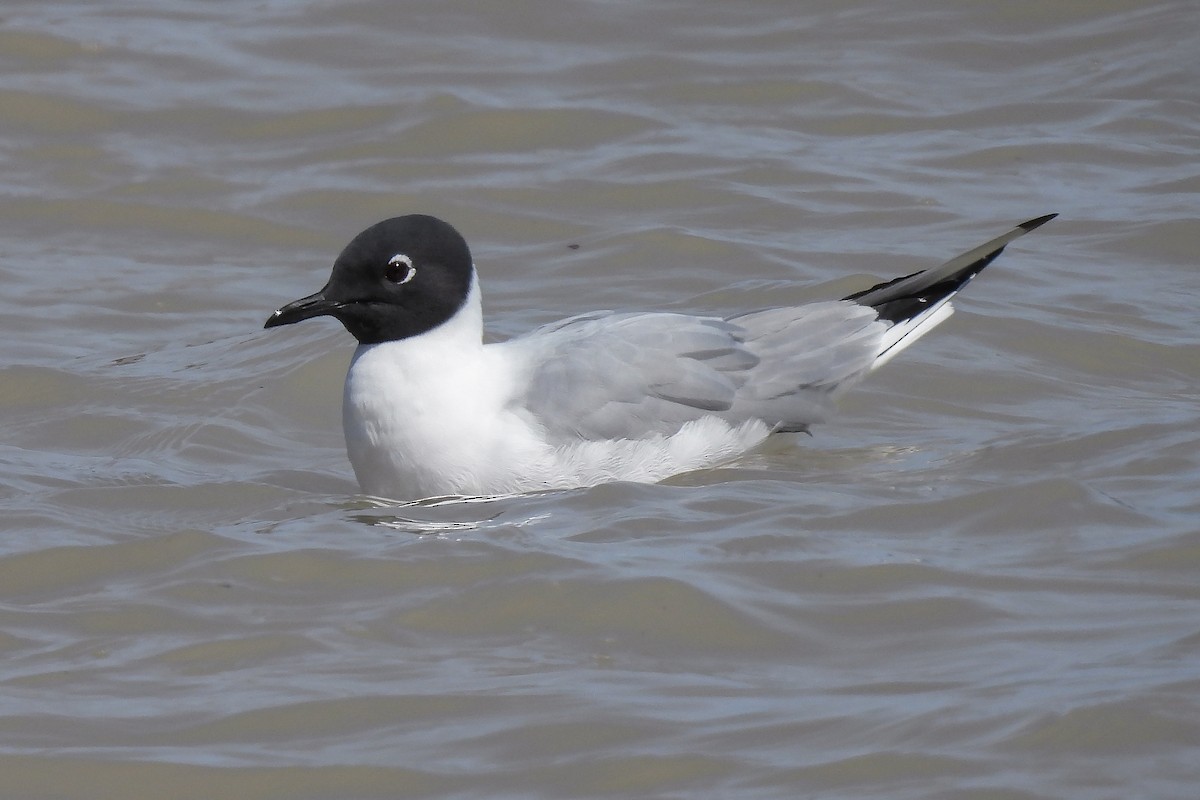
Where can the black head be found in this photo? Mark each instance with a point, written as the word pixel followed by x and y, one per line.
pixel 398 278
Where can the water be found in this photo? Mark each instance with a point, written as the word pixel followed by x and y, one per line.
pixel 981 581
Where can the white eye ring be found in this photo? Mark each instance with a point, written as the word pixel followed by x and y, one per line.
pixel 405 271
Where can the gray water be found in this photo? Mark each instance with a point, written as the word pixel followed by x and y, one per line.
pixel 982 580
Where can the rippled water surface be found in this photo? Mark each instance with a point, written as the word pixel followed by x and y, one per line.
pixel 981 581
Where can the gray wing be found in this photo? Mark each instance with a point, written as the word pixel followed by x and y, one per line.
pixel 609 375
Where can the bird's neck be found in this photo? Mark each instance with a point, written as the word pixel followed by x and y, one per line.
pixel 415 410
pixel 436 349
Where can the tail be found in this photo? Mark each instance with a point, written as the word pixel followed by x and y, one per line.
pixel 916 304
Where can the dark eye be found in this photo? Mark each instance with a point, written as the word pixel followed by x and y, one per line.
pixel 399 269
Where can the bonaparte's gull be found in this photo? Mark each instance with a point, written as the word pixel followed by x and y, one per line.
pixel 430 410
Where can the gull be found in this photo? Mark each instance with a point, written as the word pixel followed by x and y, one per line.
pixel 430 410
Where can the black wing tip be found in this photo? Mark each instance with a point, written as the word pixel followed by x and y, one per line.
pixel 913 293
pixel 1037 222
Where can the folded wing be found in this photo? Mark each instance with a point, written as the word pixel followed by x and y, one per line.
pixel 612 376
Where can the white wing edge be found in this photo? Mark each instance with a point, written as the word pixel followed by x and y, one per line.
pixel 899 337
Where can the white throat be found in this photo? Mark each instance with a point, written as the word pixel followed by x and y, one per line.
pixel 404 398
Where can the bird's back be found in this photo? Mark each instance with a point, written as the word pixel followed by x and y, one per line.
pixel 613 376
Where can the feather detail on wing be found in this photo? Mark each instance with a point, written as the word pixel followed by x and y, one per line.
pixel 916 304
pixel 615 376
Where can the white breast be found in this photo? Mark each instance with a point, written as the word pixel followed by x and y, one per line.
pixel 423 416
